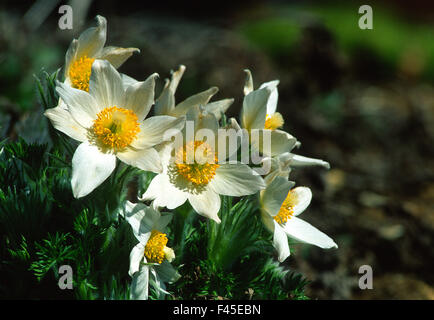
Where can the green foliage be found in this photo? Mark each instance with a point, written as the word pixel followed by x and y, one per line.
pixel 275 35
pixel 47 95
pixel 43 227
pixel 22 54
pixel 230 260
pixel 391 39
pixel 52 252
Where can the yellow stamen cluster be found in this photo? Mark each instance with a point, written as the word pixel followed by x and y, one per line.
pixel 155 247
pixel 196 162
pixel 287 209
pixel 115 128
pixel 79 73
pixel 274 121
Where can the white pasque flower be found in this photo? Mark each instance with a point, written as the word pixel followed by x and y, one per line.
pixel 193 171
pixel 282 164
pixel 165 104
pixel 259 118
pixel 150 258
pixel 83 51
pixel 280 206
pixel 110 123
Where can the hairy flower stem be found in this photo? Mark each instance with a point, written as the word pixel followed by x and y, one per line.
pixel 230 240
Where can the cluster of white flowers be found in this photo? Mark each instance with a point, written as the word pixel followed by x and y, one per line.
pixel 107 112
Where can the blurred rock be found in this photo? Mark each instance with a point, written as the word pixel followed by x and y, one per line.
pixel 399 287
pixel 371 199
pixel 392 232
pixel 335 180
pixel 422 207
pixel 422 98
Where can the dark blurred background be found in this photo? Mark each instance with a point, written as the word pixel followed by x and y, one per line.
pixel 362 100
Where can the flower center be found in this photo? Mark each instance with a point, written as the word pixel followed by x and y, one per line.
pixel 196 162
pixel 274 121
pixel 115 128
pixel 287 209
pixel 156 250
pixel 79 73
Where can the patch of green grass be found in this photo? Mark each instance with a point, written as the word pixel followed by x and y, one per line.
pixel 391 38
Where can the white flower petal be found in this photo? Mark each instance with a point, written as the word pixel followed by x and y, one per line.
pixel 272 142
pixel 141 219
pixel 165 151
pixel 139 97
pixel 61 103
pixel 154 189
pixel 92 40
pixel 153 130
pixel 284 157
pixel 280 242
pixel 304 196
pixel 127 80
pixel 248 85
pixel 229 140
pixel 70 56
pixel 165 103
pixel 281 142
pixel 134 213
pixel 236 180
pixel 116 55
pixel 202 120
pixel 81 105
pixel 219 107
pixel 163 221
pixel 278 166
pixel 164 193
pixel 254 109
pixel 299 161
pixel 274 195
pixel 243 134
pixel 198 99
pixel 272 102
pixel 305 232
pixel 62 121
pixel 140 284
pixel 106 85
pixel 176 78
pixel 157 284
pixel 90 168
pixel 276 173
pixel 129 207
pixel 144 159
pixel 167 272
pixel 233 123
pixel 206 203
pixel 272 99
pixel 273 167
pixel 136 257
